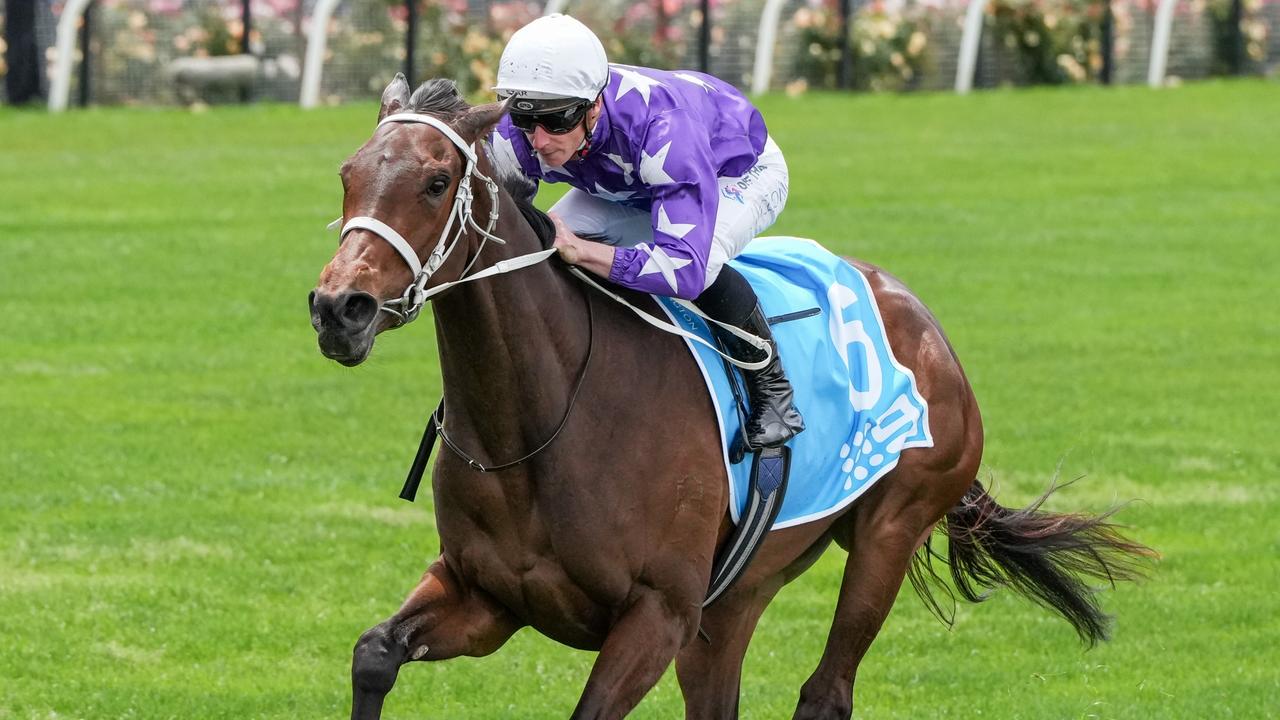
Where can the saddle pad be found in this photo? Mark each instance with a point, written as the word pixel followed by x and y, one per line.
pixel 861 407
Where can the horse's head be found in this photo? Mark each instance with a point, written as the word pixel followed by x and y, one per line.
pixel 405 209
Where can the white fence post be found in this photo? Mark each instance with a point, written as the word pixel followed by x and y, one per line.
pixel 60 88
pixel 765 40
pixel 313 64
pixel 967 64
pixel 1160 43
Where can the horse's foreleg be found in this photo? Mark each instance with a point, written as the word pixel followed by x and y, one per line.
pixel 637 650
pixel 442 618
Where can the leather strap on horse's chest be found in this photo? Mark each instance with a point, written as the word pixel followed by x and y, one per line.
pixel 419 466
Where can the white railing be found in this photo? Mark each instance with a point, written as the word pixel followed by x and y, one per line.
pixel 766 38
pixel 313 62
pixel 317 41
pixel 974 18
pixel 768 34
pixel 770 18
pixel 1160 43
pixel 68 24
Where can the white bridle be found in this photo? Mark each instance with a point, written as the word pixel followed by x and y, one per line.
pixel 406 307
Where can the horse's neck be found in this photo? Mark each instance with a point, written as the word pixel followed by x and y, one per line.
pixel 511 348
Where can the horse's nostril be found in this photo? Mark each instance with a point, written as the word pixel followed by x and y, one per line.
pixel 347 312
pixel 358 309
pixel 313 310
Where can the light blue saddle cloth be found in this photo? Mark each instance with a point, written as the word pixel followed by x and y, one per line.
pixel 861 407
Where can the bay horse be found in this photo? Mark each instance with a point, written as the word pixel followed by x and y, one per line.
pixel 600 522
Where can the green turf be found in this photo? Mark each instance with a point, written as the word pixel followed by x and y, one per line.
pixel 198 512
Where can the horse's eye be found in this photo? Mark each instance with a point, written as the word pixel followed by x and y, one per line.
pixel 438 186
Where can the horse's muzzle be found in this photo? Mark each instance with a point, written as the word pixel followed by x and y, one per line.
pixel 344 324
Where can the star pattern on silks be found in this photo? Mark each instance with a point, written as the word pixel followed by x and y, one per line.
pixel 504 151
pixel 653 167
pixel 660 262
pixel 611 196
pixel 675 230
pixel 695 80
pixel 622 163
pixel 632 80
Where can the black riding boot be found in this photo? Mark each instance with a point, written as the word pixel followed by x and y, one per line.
pixel 774 420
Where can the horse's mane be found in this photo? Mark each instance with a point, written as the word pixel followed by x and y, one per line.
pixel 440 97
pixel 522 190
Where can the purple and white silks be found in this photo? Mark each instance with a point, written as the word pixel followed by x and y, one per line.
pixel 660 145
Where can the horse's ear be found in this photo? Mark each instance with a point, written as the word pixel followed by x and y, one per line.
pixel 479 120
pixel 395 98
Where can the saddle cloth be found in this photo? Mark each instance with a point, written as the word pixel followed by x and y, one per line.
pixel 861 407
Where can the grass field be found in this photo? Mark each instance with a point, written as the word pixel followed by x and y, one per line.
pixel 198 513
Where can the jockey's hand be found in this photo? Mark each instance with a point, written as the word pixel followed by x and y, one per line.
pixel 593 256
pixel 566 242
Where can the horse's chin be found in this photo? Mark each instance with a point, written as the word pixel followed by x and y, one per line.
pixel 347 350
pixel 350 361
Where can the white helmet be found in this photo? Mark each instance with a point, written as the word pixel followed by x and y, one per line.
pixel 553 57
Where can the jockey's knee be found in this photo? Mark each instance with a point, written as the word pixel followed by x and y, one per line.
pixel 729 298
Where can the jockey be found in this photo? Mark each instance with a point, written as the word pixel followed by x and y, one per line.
pixel 673 172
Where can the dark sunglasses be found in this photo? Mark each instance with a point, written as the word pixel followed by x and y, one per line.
pixel 556 122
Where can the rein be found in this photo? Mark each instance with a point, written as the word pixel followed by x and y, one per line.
pixel 408 306
pixel 673 329
pixel 573 399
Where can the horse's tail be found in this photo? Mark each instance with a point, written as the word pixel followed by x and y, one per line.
pixel 1045 556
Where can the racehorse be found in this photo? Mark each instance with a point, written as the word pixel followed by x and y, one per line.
pixel 584 493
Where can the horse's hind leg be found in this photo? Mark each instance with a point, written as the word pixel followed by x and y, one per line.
pixel 442 618
pixel 881 533
pixel 884 528
pixel 878 560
